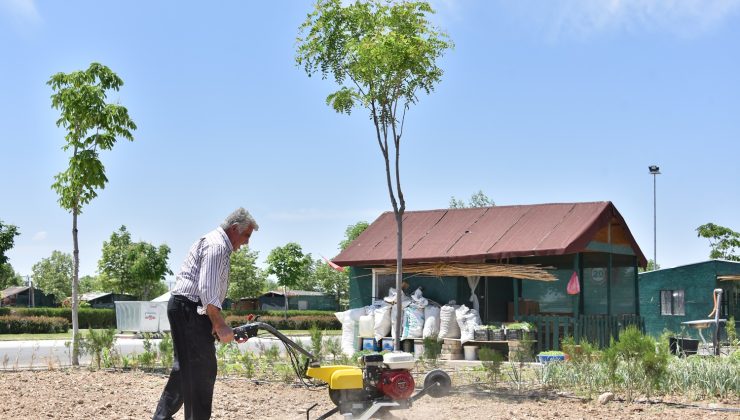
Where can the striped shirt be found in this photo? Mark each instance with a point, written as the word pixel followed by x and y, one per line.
pixel 204 274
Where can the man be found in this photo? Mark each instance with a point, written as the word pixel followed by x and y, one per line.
pixel 194 311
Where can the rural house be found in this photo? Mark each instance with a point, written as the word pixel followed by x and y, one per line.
pixel 671 296
pixel 517 260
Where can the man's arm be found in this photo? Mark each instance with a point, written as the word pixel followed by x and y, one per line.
pixel 224 332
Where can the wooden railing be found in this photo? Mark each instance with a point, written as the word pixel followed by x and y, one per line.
pixel 597 329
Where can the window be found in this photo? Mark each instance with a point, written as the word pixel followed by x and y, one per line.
pixel 671 302
pixel 382 283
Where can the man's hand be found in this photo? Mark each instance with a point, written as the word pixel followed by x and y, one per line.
pixel 220 330
pixel 223 333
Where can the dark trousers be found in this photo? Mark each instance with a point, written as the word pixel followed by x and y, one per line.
pixel 194 368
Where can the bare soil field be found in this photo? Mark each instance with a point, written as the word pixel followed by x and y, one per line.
pixel 82 394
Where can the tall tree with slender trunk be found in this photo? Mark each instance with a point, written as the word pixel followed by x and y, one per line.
pixel 92 125
pixel 382 55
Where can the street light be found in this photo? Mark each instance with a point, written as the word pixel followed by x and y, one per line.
pixel 655 170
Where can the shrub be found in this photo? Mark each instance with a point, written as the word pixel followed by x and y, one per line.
pixel 4 311
pixel 87 317
pixel 645 363
pixel 322 322
pixel 14 324
pixel 97 343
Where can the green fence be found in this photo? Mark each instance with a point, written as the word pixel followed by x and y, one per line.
pixel 597 329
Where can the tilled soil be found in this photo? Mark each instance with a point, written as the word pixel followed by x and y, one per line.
pixel 82 394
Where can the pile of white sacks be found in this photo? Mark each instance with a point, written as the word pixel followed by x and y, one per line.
pixel 422 318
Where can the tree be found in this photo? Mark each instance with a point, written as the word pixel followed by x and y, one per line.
pixel 382 55
pixel 246 280
pixel 7 239
pixel 289 265
pixel 651 266
pixel 92 125
pixel 725 242
pixel 136 268
pixel 8 276
pixel 352 232
pixel 53 275
pixel 90 284
pixel 478 199
pixel 330 281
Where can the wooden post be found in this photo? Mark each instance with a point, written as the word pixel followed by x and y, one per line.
pixel 516 299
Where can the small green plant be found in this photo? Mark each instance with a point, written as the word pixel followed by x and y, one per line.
pixel 166 351
pixel 491 360
pixel 97 343
pixel 271 354
pixel 334 347
pixel 317 337
pixel 148 358
pixel 635 361
pixel 432 350
pixel 731 332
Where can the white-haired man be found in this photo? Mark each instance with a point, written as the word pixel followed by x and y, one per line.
pixel 194 311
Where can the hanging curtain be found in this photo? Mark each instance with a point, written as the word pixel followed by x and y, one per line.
pixel 473 283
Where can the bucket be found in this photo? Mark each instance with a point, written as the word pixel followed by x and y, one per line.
pixel 471 352
pixel 369 343
pixel 418 350
pixel 387 344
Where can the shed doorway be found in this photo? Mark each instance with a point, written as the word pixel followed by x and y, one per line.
pixel 494 295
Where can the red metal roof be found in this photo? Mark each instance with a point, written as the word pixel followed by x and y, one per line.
pixel 485 233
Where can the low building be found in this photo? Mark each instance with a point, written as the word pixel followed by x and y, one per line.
pixel 671 296
pixel 104 300
pixel 298 300
pixel 520 257
pixel 22 296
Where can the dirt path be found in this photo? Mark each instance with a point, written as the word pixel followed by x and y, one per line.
pixel 81 394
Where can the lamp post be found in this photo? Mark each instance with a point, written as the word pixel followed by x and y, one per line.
pixel 655 170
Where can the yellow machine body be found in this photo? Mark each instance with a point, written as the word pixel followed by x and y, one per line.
pixel 338 377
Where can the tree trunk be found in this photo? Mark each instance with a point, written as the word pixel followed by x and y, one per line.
pixel 399 280
pixel 75 287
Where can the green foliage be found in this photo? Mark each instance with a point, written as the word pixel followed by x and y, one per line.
pixel 651 266
pixel 148 358
pixel 478 199
pixel 92 125
pixel 246 280
pixel 645 362
pixel 166 351
pixel 4 311
pixel 330 281
pixel 7 239
pixel 16 324
pixel 491 361
pixel 432 350
pixel 352 232
pixel 289 265
pixel 98 342
pixel 8 277
pixel 301 322
pixel 724 242
pixel 136 268
pixel 90 284
pixel 334 347
pixel 731 332
pixel 317 336
pixel 53 275
pixel 88 317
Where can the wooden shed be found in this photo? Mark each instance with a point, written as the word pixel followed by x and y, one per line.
pixel 25 296
pixel 671 296
pixel 298 300
pixel 104 300
pixel 523 257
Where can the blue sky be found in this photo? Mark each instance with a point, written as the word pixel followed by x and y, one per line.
pixel 541 102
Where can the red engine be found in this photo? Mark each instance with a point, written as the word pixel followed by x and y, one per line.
pixel 398 384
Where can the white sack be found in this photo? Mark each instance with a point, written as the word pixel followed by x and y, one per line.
pixel 413 322
pixel 448 327
pixel 367 325
pixel 467 320
pixel 431 321
pixel 382 322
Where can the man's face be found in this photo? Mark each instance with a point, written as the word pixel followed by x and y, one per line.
pixel 239 239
